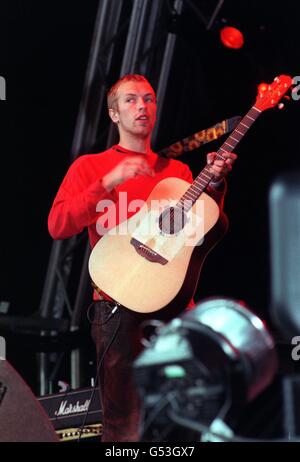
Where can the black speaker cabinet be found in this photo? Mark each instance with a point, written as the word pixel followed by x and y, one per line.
pixel 22 418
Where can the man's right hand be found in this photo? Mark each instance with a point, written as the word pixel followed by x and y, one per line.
pixel 126 169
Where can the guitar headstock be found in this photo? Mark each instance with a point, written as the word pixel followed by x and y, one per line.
pixel 270 95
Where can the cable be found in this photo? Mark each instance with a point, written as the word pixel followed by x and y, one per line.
pixel 66 393
pixel 114 311
pixel 169 398
pixel 162 403
pixel 91 321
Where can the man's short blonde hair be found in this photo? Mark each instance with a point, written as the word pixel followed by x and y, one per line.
pixel 112 93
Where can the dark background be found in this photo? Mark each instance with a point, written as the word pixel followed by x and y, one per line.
pixel 44 50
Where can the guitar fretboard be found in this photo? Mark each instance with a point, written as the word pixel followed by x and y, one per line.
pixel 205 176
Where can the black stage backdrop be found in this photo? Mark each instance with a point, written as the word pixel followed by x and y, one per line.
pixel 44 51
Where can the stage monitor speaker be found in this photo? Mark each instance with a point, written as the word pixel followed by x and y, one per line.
pixel 284 202
pixel 22 418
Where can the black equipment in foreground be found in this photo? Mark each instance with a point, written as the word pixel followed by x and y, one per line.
pixel 201 370
pixel 22 418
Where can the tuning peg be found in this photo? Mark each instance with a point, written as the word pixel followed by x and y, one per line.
pixel 282 105
pixel 262 87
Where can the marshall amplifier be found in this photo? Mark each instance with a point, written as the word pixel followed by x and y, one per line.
pixel 74 414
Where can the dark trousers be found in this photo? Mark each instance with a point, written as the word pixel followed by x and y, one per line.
pixel 120 400
pixel 119 397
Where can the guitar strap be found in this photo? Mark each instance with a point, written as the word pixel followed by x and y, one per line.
pixel 198 139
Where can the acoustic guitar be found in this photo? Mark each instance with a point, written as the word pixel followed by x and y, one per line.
pixel 153 260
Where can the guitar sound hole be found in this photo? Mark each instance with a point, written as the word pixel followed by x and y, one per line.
pixel 172 220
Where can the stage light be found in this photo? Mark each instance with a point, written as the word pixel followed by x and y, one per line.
pixel 231 37
pixel 204 366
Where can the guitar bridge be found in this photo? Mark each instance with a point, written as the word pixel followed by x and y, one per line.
pixel 147 253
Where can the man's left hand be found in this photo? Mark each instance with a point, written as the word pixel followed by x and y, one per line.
pixel 220 168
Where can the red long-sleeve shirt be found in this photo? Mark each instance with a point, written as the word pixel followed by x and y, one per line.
pixel 75 205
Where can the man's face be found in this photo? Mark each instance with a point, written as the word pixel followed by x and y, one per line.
pixel 135 109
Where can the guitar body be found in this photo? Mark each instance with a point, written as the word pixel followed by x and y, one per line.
pixel 122 265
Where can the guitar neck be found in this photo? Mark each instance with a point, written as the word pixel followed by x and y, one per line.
pixel 239 132
pixel 205 176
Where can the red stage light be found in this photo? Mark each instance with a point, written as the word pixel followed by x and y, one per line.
pixel 231 37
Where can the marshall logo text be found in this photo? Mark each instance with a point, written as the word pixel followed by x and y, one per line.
pixel 66 409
